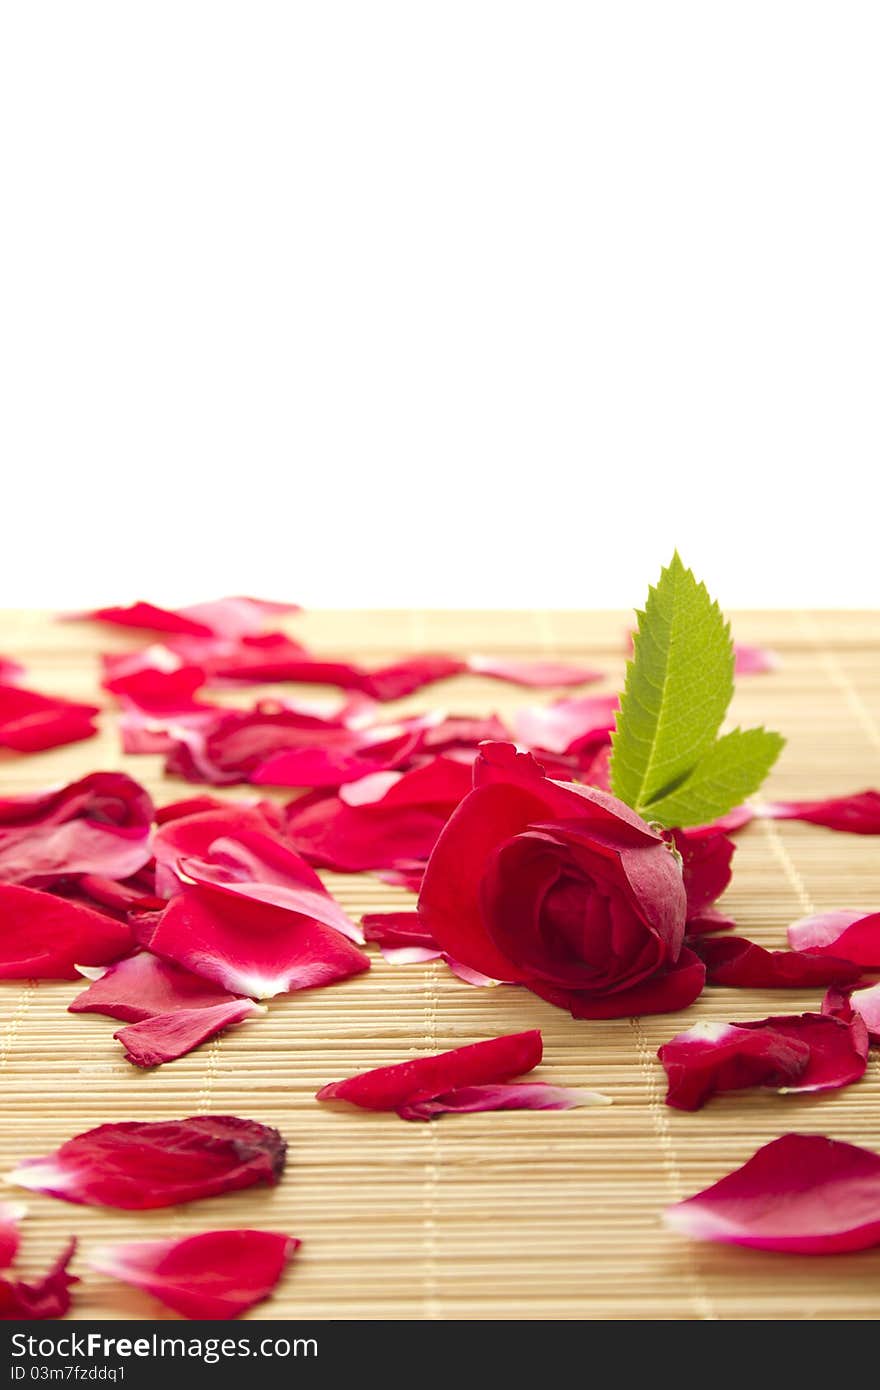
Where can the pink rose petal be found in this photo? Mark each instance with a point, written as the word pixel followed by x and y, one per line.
pixel 859 812
pixel 249 947
pixel 864 1002
pixel 522 1095
pixel 142 1164
pixel 538 674
pixel 804 1194
pixel 98 825
pixel 572 724
pixel 11 1213
pixel 165 1037
pixel 851 936
pixel 143 986
pixel 218 1274
pixel 754 661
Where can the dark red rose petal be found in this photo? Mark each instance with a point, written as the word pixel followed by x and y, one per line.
pixel 143 986
pixel 403 940
pixel 665 992
pixel 733 960
pixel 218 1274
pixel 838 1049
pixel 803 1194
pixel 141 1164
pixel 859 813
pixel 521 1095
pixel 712 1057
pixel 43 937
pixel 48 1297
pixel 144 615
pixel 402 678
pixel 165 1037
pixel 98 825
pixel 851 936
pixel 864 1002
pixel 249 947
pixel 425 1078
pixel 30 722
pixel 705 866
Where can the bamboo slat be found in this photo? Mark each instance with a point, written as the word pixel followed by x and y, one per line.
pixel 495 1216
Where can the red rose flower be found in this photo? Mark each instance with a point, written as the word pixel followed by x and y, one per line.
pixel 563 889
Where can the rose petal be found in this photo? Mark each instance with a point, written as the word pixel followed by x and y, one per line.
pixel 165 1037
pixel 864 1002
pixel 403 940
pixel 705 866
pixel 574 723
pixel 31 722
pixel 10 671
pixel 236 851
pixel 98 825
pixel 538 674
pixel 144 615
pixel 522 1095
pixel 850 936
pixel 712 1057
pixel 142 1164
pixel 218 1274
pixel 43 937
pixel 728 824
pixel 425 1078
pixel 238 616
pixel 249 947
pixel 803 1193
pixel 48 1297
pixel 754 661
pixel 733 960
pixel 838 1049
pixel 402 678
pixel 399 823
pixel 859 813
pixel 10 1215
pixel 143 986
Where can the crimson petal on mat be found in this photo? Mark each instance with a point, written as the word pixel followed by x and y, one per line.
pixel 48 1297
pixel 138 1165
pixel 521 1095
pixel 97 825
pixel 864 1002
pixel 218 1274
pixel 249 947
pixel 11 1213
pixel 43 937
pixel 142 986
pixel 425 1078
pixel 712 1057
pixel 736 961
pixel 858 812
pixel 851 936
pixel 165 1037
pixel 31 722
pixel 804 1194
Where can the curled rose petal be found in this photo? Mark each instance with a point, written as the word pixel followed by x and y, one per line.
pixel 98 825
pixel 30 722
pixel 43 937
pixel 864 1002
pixel 859 813
pixel 165 1037
pixel 733 960
pixel 11 1213
pixel 538 674
pixel 425 1078
pixel 522 1095
pixel 237 851
pixel 379 825
pixel 754 661
pixel 218 1274
pixel 712 1057
pixel 804 1194
pixel 48 1297
pixel 143 986
pixel 838 1049
pixel 249 947
pixel 851 936
pixel 137 1165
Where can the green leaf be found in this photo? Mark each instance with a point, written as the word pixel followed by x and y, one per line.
pixel 678 687
pixel 732 769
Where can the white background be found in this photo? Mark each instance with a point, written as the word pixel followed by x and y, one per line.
pixel 439 303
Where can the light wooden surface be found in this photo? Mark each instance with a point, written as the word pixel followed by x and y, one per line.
pixel 502 1215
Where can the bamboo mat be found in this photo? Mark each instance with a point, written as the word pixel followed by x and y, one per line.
pixel 496 1216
